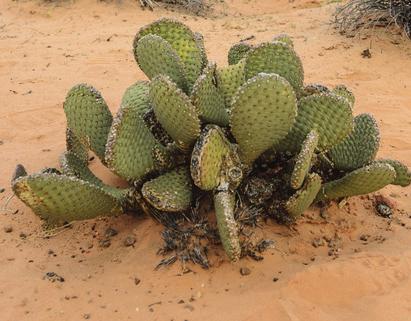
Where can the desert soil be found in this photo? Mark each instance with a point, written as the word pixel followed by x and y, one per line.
pixel 348 264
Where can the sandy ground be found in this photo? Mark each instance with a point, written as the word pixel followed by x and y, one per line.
pixel 360 272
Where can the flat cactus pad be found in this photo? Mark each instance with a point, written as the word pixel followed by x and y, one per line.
pixel 330 115
pixel 224 205
pixel 171 192
pixel 130 146
pixel 403 177
pixel 360 147
pixel 210 158
pixel 155 56
pixel 238 52
pixel 263 111
pixel 186 44
pixel 136 97
pixel 175 112
pixel 88 117
pixel 59 198
pixel 303 160
pixel 208 99
pixel 303 198
pixel 364 180
pixel 229 79
pixel 275 57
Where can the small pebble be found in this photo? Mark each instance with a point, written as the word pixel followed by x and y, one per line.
pixel 2 189
pixel 384 210
pixel 245 271
pixel 8 229
pixel 129 240
pixel 53 277
pixel 105 243
pixel 110 232
pixel 23 235
pixel 137 281
pixel 275 279
pixel 317 242
pixel 86 316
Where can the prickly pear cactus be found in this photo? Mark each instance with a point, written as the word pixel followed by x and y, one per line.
pixel 248 134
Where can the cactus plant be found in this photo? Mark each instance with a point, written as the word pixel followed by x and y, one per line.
pixel 250 129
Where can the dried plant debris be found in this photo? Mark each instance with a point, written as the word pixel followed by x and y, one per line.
pixel 211 153
pixel 357 15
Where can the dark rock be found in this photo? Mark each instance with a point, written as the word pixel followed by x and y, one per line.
pixel 245 271
pixel 110 232
pixel 105 243
pixel 384 210
pixel 8 229
pixel 53 277
pixel 129 240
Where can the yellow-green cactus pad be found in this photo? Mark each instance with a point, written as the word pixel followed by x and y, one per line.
pixel 360 147
pixel 283 37
pixel 71 165
pixel 303 160
pixel 208 99
pixel 200 43
pixel 175 112
pixel 75 146
pixel 136 97
pixel 330 115
pixel 275 57
pixel 155 56
pixel 238 52
pixel 184 42
pixel 303 198
pixel 224 205
pixel 88 117
pixel 229 79
pixel 343 91
pixel 263 111
pixel 210 159
pixel 131 146
pixel 364 180
pixel 60 198
pixel 403 174
pixel 171 192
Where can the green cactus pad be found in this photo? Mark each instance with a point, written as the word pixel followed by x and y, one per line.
pixel 200 43
pixel 238 52
pixel 88 117
pixel 75 146
pixel 343 91
pixel 59 198
pixel 303 160
pixel 403 175
pixel 283 37
pixel 224 205
pixel 208 100
pixel 360 147
pixel 311 89
pixel 171 192
pixel 263 111
pixel 136 97
pixel 182 40
pixel 275 57
pixel 130 146
pixel 209 159
pixel 229 79
pixel 71 165
pixel 364 180
pixel 175 112
pixel 327 113
pixel 303 198
pixel 155 56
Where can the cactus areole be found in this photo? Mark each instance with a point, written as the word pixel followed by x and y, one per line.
pixel 251 130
